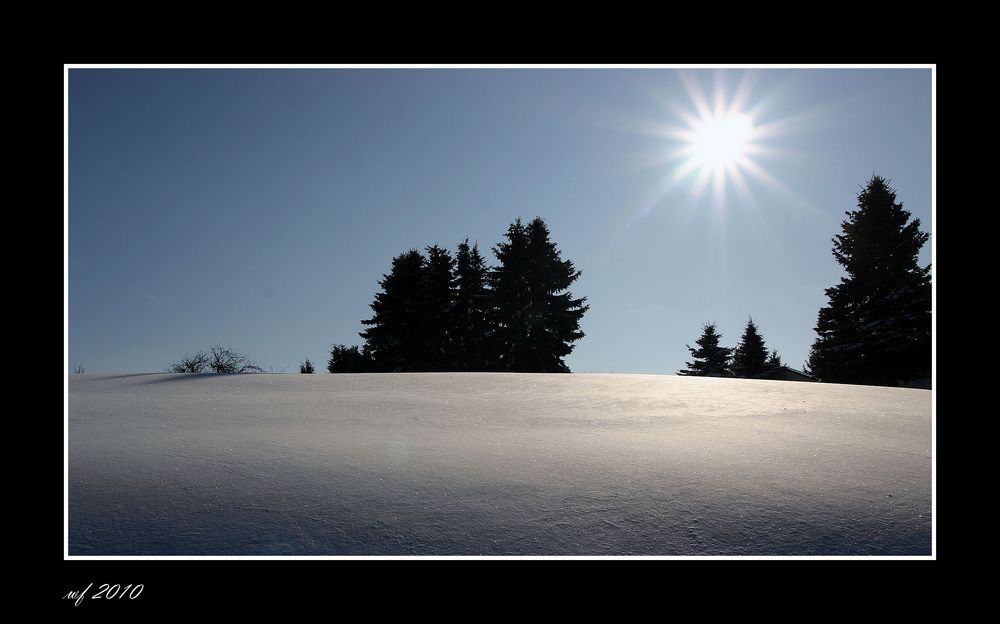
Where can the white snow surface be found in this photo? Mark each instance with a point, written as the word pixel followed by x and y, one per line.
pixel 495 464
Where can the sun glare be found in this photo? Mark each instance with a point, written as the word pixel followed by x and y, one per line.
pixel 721 141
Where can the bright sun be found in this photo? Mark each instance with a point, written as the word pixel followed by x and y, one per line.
pixel 719 140
pixel 722 140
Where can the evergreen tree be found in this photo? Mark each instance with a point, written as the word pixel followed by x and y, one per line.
pixel 344 359
pixel 877 326
pixel 534 321
pixel 469 325
pixel 773 360
pixel 437 296
pixel 394 338
pixel 710 360
pixel 306 368
pixel 508 299
pixel 750 355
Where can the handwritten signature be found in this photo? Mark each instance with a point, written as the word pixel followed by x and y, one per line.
pixel 106 591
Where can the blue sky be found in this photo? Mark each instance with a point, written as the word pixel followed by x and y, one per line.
pixel 259 207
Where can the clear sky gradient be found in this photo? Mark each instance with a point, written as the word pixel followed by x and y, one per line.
pixel 258 208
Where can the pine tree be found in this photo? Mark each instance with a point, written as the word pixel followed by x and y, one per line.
pixel 306 368
pixel 344 359
pixel 750 355
pixel 394 339
pixel 508 299
pixel 437 296
pixel 773 360
pixel 710 360
pixel 534 321
pixel 877 326
pixel 469 325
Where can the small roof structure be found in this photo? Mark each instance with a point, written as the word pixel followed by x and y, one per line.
pixel 786 373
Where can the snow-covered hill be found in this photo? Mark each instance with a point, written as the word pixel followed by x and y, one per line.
pixel 495 464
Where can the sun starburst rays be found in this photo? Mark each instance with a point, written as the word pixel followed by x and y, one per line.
pixel 719 139
pixel 718 145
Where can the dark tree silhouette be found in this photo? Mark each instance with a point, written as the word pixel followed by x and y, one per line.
pixel 394 337
pixel 79 370
pixel 509 294
pixel 877 326
pixel 306 368
pixel 437 296
pixel 344 359
pixel 219 359
pixel 750 355
pixel 469 325
pixel 226 360
pixel 196 363
pixel 773 360
pixel 534 322
pixel 441 313
pixel 710 359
